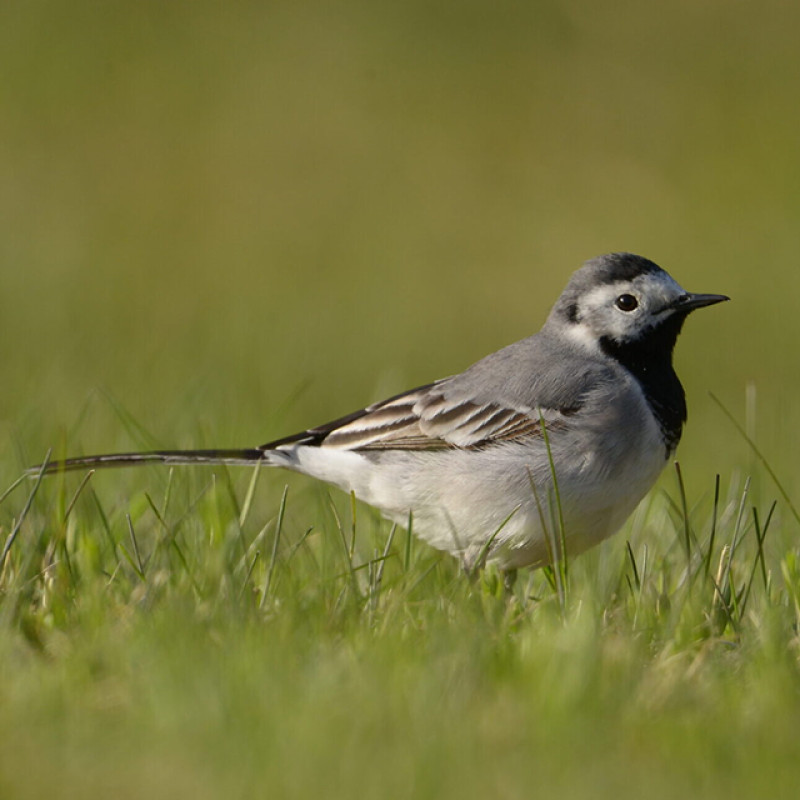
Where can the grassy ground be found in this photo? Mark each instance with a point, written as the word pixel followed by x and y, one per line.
pixel 185 649
pixel 222 223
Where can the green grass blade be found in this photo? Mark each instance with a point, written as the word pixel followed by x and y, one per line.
pixel 12 536
pixel 761 457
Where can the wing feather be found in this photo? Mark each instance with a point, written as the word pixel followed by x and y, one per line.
pixel 427 419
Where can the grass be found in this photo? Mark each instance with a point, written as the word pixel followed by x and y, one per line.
pixel 222 223
pixel 174 644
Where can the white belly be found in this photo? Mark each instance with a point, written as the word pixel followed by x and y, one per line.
pixel 460 499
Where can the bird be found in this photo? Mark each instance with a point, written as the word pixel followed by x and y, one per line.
pixel 541 449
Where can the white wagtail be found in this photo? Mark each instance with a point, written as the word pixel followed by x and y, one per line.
pixel 584 413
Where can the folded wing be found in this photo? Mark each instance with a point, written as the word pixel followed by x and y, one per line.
pixel 427 418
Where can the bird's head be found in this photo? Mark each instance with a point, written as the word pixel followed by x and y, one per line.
pixel 621 301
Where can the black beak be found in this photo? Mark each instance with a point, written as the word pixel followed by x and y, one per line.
pixel 689 302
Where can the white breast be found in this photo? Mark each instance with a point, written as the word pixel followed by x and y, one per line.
pixel 605 461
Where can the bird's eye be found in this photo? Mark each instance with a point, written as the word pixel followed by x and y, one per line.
pixel 626 302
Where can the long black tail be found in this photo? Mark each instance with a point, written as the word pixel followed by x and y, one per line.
pixel 233 457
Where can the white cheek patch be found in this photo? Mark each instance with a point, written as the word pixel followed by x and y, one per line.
pixel 654 291
pixel 598 306
pixel 582 335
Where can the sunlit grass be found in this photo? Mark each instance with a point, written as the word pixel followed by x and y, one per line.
pixel 192 643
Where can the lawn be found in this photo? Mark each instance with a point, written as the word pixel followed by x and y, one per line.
pixel 223 223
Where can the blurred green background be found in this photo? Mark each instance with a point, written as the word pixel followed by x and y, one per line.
pixel 239 219
pixel 234 220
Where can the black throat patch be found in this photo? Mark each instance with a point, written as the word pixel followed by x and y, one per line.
pixel 649 360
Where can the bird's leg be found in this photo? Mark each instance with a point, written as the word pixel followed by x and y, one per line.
pixel 509 580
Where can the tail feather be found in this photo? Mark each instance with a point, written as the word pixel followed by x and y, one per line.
pixel 232 457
